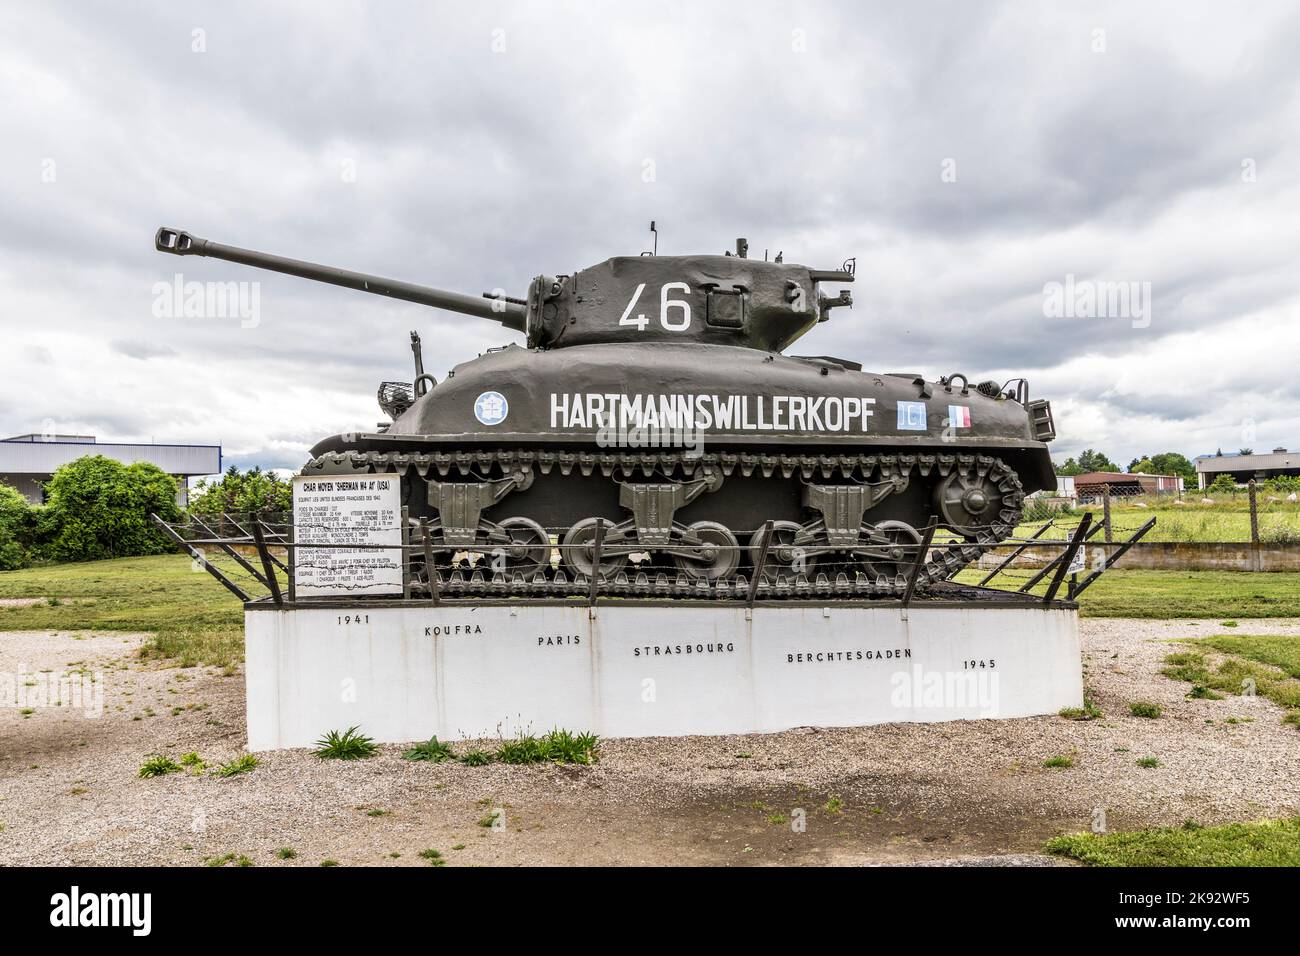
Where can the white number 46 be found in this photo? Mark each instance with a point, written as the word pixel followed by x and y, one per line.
pixel 666 308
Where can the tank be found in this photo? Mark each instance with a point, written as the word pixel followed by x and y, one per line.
pixel 654 406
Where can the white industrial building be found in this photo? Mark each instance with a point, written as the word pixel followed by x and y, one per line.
pixel 28 461
pixel 1243 468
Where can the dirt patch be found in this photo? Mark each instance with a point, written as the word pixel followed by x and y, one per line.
pixel 964 792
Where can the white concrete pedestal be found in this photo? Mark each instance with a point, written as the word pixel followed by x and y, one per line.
pixel 407 672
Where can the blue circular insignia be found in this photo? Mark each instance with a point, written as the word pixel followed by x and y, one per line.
pixel 491 408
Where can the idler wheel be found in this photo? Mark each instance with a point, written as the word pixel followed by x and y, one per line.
pixel 783 555
pixel 578 550
pixel 968 502
pixel 528 550
pixel 888 548
pixel 716 556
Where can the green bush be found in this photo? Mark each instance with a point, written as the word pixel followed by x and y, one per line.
pixel 559 746
pixel 1222 485
pixel 1144 708
pixel 432 750
pixel 246 493
pixel 17 523
pixel 99 508
pixel 351 744
pixel 1282 484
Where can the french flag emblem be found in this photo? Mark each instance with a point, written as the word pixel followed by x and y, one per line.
pixel 959 416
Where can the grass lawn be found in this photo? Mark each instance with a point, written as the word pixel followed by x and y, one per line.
pixel 192 617
pixel 1267 665
pixel 1167 594
pixel 1264 843
pixel 1228 519
pixel 1191 522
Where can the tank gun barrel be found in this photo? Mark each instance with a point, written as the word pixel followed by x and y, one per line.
pixel 505 310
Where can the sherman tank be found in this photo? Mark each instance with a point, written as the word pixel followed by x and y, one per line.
pixel 654 434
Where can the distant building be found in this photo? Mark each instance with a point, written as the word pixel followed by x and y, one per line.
pixel 1090 486
pixel 28 461
pixel 1064 490
pixel 1242 468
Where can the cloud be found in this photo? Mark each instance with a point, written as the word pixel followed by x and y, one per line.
pixel 140 350
pixel 474 147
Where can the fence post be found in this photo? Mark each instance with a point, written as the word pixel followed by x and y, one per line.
pixel 265 553
pixel 291 552
pixel 1080 536
pixel 430 571
pixel 596 546
pixel 1255 559
pixel 922 555
pixel 406 553
pixel 1105 512
pixel 759 564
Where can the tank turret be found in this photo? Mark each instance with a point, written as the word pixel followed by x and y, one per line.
pixel 722 300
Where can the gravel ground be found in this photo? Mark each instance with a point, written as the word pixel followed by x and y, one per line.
pixel 963 793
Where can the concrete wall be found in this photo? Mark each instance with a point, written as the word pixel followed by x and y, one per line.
pixel 406 672
pixel 1170 556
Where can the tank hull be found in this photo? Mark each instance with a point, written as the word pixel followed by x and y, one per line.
pixel 521 458
pixel 611 397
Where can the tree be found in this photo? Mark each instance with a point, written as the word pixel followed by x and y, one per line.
pixel 1090 460
pixel 97 507
pixel 16 526
pixel 1172 463
pixel 1144 465
pixel 1071 467
pixel 1246 451
pixel 236 493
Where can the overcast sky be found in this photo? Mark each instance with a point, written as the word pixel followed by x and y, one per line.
pixel 967 154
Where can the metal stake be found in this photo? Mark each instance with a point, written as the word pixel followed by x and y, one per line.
pixel 240 528
pixel 761 562
pixel 595 559
pixel 1112 558
pixel 197 555
pixel 406 553
pixel 1080 533
pixel 915 571
pixel 1047 568
pixel 1015 554
pixel 272 581
pixel 430 571
pixel 239 558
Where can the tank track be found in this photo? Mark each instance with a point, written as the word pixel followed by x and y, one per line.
pixel 943 562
